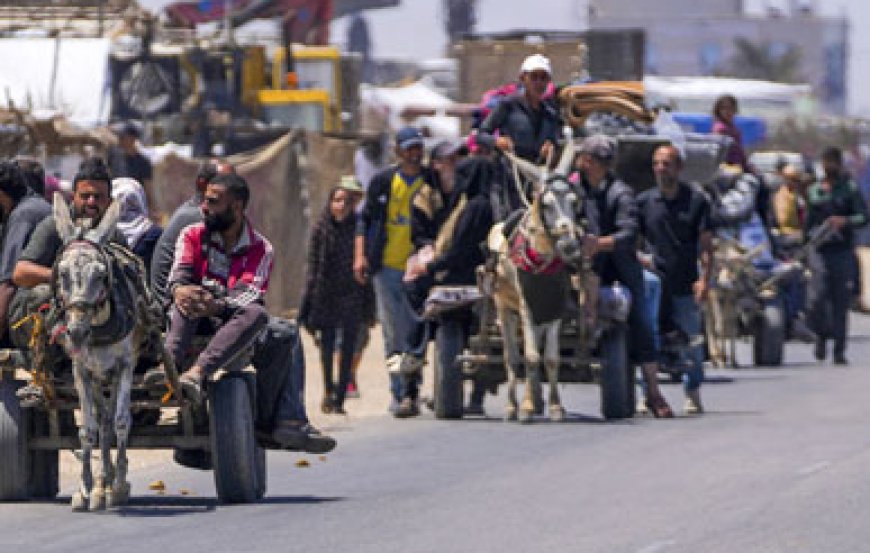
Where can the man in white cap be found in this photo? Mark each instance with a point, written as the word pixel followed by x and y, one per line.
pixel 527 124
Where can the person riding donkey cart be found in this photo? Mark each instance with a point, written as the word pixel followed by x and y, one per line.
pixel 220 275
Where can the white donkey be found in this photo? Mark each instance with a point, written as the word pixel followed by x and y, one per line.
pixel 103 322
pixel 531 283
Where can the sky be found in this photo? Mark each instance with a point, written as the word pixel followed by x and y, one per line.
pixel 416 29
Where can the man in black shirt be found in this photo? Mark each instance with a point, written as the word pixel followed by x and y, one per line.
pixel 612 214
pixel 675 221
pixel 835 199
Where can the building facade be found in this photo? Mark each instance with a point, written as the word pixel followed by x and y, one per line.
pixel 715 38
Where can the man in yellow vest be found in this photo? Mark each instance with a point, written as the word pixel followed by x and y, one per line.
pixel 383 245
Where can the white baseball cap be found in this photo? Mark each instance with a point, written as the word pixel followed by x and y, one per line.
pixel 536 62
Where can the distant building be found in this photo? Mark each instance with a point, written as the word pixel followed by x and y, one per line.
pixel 715 38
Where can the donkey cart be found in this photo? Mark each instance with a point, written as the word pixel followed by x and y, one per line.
pixel 586 354
pixel 37 420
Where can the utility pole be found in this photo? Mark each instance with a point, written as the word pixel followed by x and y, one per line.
pixel 228 21
pixel 101 15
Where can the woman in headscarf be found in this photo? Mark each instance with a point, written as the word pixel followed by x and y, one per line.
pixel 140 231
pixel 454 256
pixel 333 301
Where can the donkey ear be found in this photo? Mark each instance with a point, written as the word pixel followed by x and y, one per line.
pixel 104 230
pixel 529 169
pixel 62 219
pixel 567 158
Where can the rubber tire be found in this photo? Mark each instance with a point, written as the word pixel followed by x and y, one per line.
pixel 239 471
pixel 616 381
pixel 14 458
pixel 447 389
pixel 769 338
pixel 43 479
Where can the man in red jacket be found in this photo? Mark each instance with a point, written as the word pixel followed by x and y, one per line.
pixel 221 272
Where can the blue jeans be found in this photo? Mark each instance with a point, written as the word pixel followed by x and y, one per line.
pixel 400 326
pixel 687 316
pixel 652 287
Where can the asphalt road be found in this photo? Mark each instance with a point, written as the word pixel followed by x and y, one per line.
pixel 779 463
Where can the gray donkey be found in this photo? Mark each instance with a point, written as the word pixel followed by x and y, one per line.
pixel 103 323
pixel 531 283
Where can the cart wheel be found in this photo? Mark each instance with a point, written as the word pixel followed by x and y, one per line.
pixel 13 443
pixel 448 376
pixel 769 338
pixel 43 481
pixel 616 385
pixel 239 463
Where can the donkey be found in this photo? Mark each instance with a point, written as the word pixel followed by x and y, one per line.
pixel 531 283
pixel 102 326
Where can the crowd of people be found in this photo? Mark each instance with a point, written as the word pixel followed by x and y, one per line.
pixel 207 272
pixel 423 223
pixel 390 233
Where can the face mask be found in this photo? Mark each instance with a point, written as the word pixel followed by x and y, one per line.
pixel 219 222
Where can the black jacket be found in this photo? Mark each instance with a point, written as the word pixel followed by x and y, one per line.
pixel 457 264
pixel 613 212
pixel 373 220
pixel 529 130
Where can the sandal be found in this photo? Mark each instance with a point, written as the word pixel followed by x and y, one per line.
pixel 659 407
pixel 191 386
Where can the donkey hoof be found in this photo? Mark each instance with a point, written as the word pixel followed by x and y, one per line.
pixel 119 495
pixel 79 502
pixel 557 413
pixel 98 500
pixel 526 415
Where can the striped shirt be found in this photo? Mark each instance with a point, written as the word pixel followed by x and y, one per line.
pixel 243 272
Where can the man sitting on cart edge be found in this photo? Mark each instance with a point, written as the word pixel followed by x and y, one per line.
pixel 21 210
pixel 221 271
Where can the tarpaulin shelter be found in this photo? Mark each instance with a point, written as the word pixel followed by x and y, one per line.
pixel 290 180
pixel 394 102
pixel 67 76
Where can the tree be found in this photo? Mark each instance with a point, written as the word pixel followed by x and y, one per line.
pixel 766 61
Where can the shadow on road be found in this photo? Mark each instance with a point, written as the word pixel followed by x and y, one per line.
pixel 167 506
pixel 576 418
pixel 173 506
pixel 298 500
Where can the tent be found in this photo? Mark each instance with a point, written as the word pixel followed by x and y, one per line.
pixel 68 76
pixel 392 102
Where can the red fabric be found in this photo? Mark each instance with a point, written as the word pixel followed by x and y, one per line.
pixel 249 267
pixel 527 259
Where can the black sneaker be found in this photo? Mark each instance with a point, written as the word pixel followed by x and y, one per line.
pixel 407 408
pixel 820 351
pixel 298 436
pixel 474 409
pixel 840 359
pixel 193 458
